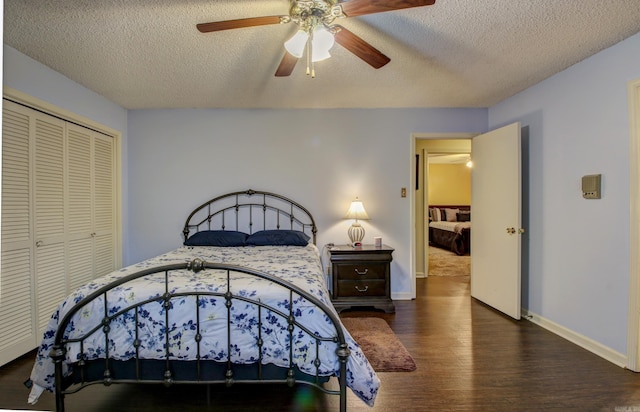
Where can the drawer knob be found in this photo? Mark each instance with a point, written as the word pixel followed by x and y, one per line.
pixel 366 288
pixel 361 272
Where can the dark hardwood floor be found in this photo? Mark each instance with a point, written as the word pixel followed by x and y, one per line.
pixel 469 357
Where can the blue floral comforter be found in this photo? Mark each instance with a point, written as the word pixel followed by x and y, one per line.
pixel 298 265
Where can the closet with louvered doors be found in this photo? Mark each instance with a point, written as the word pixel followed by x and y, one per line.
pixel 58 219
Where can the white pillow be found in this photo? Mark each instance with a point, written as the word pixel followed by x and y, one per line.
pixel 452 214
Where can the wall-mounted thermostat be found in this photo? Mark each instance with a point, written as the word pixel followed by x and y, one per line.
pixel 591 186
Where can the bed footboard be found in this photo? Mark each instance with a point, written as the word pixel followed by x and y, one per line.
pixel 176 369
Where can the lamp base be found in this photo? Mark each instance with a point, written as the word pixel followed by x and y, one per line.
pixel 356 234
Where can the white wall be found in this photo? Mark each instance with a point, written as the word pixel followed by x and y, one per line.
pixel 178 159
pixel 33 78
pixel 578 250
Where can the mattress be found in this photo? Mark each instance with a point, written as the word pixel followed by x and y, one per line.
pixel 456 227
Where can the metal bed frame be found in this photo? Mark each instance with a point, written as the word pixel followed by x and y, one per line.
pixel 239 211
pixel 225 212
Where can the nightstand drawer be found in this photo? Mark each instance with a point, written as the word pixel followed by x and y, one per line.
pixel 349 288
pixel 361 271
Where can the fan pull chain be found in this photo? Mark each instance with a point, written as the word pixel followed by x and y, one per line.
pixel 310 67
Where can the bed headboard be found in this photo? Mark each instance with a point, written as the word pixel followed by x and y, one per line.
pixel 250 211
pixel 465 208
pixel 461 207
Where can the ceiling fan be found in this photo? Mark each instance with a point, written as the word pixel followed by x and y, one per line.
pixel 317 33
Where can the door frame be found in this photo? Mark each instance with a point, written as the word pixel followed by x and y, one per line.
pixel 633 334
pixel 412 193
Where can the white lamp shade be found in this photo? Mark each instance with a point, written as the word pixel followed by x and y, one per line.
pixel 295 45
pixel 319 55
pixel 322 42
pixel 356 211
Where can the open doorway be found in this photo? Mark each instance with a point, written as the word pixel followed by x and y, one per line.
pixel 448 212
pixel 448 149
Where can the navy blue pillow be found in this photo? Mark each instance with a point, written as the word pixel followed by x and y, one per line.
pixel 278 238
pixel 225 238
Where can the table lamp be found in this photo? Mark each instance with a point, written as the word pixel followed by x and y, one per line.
pixel 356 231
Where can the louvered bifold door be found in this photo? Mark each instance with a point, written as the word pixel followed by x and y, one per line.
pixel 49 202
pixel 104 218
pixel 17 331
pixel 58 219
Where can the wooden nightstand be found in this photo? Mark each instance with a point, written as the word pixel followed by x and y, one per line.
pixel 361 277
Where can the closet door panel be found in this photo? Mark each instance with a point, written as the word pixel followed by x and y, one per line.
pixel 104 256
pixel 49 202
pixel 104 204
pixel 16 203
pixel 79 181
pixel 49 179
pixel 79 210
pixel 17 332
pixel 50 282
pixel 79 268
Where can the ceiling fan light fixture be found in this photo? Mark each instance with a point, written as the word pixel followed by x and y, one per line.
pixel 311 15
pixel 296 45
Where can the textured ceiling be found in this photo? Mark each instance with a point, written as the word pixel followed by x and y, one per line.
pixel 456 53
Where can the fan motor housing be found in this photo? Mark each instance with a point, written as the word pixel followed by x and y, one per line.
pixel 309 13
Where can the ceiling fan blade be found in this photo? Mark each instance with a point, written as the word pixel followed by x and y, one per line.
pixel 286 65
pixel 239 23
pixel 353 8
pixel 360 48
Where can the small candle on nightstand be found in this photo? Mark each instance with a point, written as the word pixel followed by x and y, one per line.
pixel 377 241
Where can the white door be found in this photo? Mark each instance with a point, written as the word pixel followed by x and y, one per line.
pixel 496 216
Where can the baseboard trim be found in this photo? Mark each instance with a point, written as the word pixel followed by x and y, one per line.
pixel 584 342
pixel 401 296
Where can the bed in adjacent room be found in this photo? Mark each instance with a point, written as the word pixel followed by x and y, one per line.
pixel 450 228
pixel 243 300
